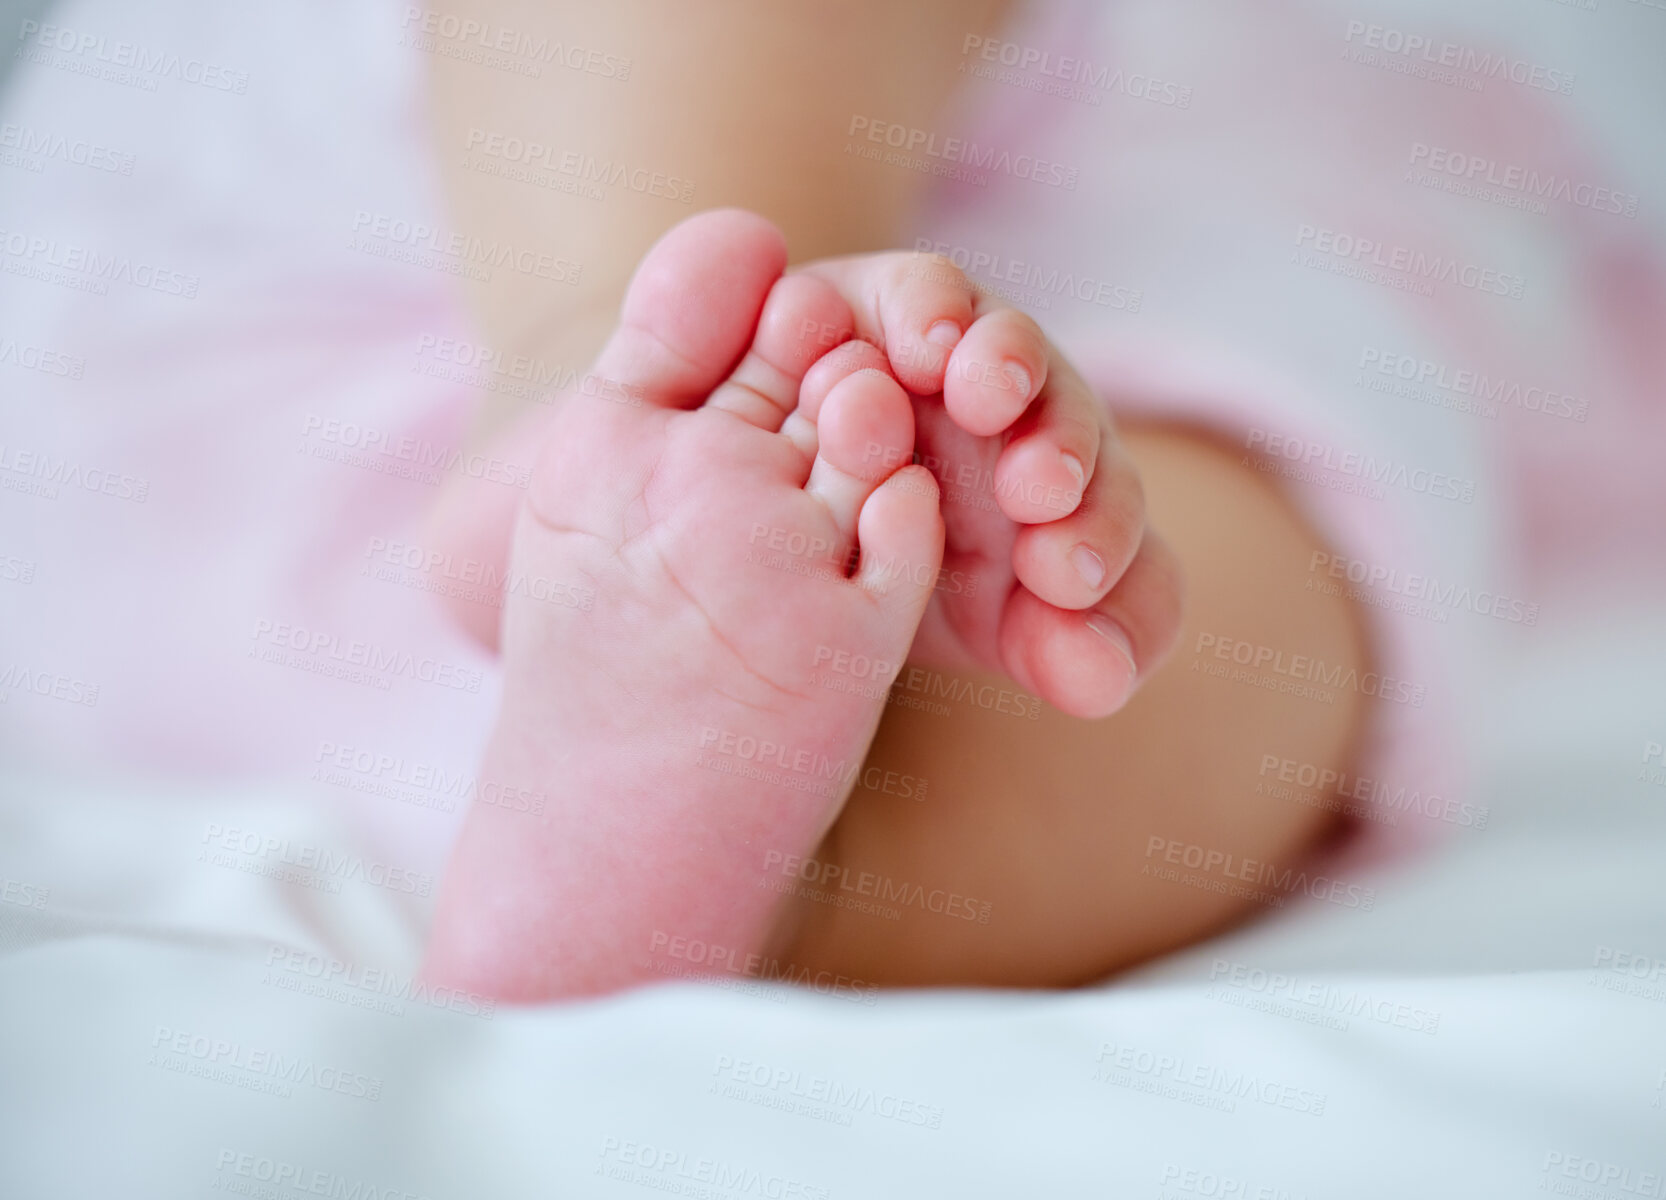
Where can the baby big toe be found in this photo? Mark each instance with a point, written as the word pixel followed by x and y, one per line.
pixel 801 320
pixel 693 306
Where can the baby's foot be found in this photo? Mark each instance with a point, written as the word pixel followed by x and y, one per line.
pixel 668 734
pixel 1050 574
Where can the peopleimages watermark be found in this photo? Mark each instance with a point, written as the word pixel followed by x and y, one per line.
pixel 420 784
pixel 1510 184
pixel 31 149
pixel 1353 464
pixel 952 157
pixel 382 235
pixel 28 357
pixel 1653 752
pixel 374 989
pixel 1445 61
pixel 254 1068
pixel 798 769
pixel 870 678
pixel 1175 1077
pixel 1363 258
pixel 626 1160
pixel 1030 283
pixel 585 172
pixel 818 1096
pixel 17 570
pixel 1268 883
pixel 764 760
pixel 353 659
pixel 712 959
pixel 519 376
pixel 1360 795
pixel 1213 1185
pixel 1418 590
pixel 51 685
pixel 914 687
pixel 866 891
pixel 1467 391
pixel 505 47
pixel 245 1171
pixel 1253 678
pixel 1329 1004
pixel 387 452
pixel 1564 1173
pixel 123 62
pixel 444 573
pixel 84 269
pixel 1639 975
pixel 320 867
pixel 795 552
pixel 40 473
pixel 24 894
pixel 973 484
pixel 1304 669
pixel 1063 75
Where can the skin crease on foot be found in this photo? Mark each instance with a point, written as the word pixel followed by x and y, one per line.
pixel 673 724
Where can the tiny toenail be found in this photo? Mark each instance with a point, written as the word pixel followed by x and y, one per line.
pixel 1018 379
pixel 945 334
pixel 1088 565
pixel 1078 473
pixel 1112 633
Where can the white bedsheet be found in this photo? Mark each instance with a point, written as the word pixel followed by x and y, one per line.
pixel 1477 1034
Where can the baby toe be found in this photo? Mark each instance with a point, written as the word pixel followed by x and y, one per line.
pixel 865 434
pixel 801 319
pixel 996 370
